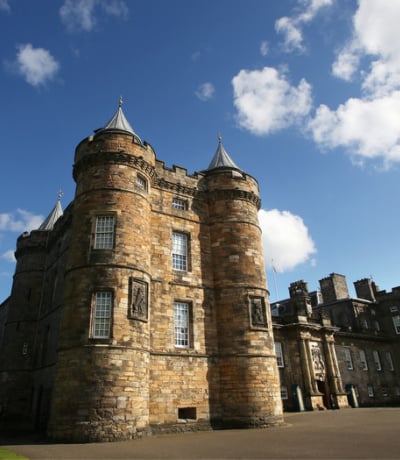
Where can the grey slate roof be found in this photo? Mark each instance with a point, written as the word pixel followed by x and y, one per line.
pixel 52 218
pixel 119 122
pixel 221 158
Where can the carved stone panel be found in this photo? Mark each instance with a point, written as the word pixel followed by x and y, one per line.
pixel 257 312
pixel 138 299
pixel 317 361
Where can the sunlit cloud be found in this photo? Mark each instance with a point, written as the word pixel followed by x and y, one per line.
pixel 20 221
pixel 266 101
pixel 291 27
pixel 286 240
pixel 9 256
pixel 36 65
pixel 366 127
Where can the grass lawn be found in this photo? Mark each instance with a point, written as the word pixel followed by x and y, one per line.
pixel 7 454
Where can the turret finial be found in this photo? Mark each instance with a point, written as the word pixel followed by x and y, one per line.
pixel 60 194
pixel 219 138
pixel 120 102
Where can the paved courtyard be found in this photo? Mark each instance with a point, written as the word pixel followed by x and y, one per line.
pixel 342 434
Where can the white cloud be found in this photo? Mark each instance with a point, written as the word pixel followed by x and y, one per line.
pixel 267 102
pixel 291 27
pixel 346 63
pixel 286 240
pixel 5 6
pixel 20 221
pixel 375 36
pixel 8 256
pixel 293 38
pixel 205 91
pixel 36 65
pixel 366 128
pixel 79 15
pixel 264 48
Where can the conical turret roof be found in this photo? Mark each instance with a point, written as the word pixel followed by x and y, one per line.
pixel 221 158
pixel 54 215
pixel 119 122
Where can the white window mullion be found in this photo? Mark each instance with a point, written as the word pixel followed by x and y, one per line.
pixel 181 324
pixel 102 315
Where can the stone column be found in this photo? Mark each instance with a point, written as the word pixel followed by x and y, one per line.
pixel 305 364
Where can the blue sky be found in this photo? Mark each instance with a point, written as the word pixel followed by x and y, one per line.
pixel 305 93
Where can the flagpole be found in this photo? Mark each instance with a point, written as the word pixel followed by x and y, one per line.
pixel 274 275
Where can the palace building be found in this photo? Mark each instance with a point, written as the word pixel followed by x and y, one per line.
pixel 143 306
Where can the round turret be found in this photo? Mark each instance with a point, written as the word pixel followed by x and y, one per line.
pixel 247 363
pixel 104 337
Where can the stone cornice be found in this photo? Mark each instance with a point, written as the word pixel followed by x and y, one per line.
pixel 174 186
pixel 116 158
pixel 235 194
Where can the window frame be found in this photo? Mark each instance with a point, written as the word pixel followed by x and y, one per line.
pixel 348 359
pixel 377 360
pixel 389 360
pixel 363 360
pixel 396 323
pixel 102 236
pixel 280 362
pixel 141 183
pixel 284 392
pixel 182 326
pixel 180 252
pixel 370 391
pixel 179 204
pixel 96 318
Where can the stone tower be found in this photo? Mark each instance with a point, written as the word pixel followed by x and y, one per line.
pixel 106 281
pixel 247 363
pixel 26 308
pixel 20 329
pixel 166 317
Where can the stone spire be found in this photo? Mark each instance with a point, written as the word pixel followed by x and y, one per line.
pixel 54 215
pixel 221 158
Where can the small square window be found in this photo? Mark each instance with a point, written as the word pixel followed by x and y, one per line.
pixel 178 203
pixel 141 183
pixel 187 413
